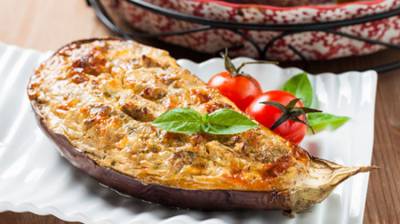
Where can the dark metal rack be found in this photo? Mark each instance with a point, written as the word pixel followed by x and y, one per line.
pixel 285 29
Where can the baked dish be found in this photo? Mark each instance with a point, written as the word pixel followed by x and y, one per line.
pixel 97 98
pixel 314 45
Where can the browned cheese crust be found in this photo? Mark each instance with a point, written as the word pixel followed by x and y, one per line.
pixel 101 96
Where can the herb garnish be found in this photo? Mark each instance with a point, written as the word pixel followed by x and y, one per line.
pixel 189 121
pixel 300 86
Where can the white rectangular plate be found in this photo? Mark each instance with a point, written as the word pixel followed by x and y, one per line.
pixel 35 178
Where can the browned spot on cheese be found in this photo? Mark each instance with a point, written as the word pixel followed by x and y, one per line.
pixel 201 95
pixel 277 168
pixel 153 93
pixel 173 139
pixel 137 112
pixel 213 106
pixel 92 63
pixel 97 114
pixel 171 102
pixel 79 78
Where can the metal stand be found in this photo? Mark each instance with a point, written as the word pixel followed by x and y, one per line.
pixel 285 29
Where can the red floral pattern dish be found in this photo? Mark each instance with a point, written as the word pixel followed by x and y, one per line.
pixel 314 45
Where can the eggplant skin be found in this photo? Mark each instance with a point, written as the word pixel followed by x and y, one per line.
pixel 318 180
pixel 193 199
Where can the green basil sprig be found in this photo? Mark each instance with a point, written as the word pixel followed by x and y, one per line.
pixel 189 121
pixel 321 121
pixel 300 86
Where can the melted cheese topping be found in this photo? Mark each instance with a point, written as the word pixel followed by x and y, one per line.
pixel 103 96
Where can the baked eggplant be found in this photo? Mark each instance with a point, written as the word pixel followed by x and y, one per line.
pixel 96 99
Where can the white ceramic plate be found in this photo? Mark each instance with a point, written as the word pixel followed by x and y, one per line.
pixel 34 177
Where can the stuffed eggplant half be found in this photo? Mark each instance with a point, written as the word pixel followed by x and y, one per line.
pixel 97 98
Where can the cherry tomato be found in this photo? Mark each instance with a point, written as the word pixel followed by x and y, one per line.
pixel 240 89
pixel 267 115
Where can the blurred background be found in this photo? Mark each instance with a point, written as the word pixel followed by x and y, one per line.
pixel 45 25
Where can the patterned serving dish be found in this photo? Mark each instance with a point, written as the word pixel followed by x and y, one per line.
pixel 315 45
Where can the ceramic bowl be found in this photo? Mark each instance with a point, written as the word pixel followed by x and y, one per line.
pixel 315 45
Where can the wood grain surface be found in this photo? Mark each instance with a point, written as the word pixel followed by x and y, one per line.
pixel 48 24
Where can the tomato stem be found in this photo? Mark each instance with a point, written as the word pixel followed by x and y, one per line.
pixel 238 70
pixel 291 112
pixel 231 68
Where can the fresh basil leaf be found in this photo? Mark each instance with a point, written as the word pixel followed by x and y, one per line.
pixel 321 121
pixel 180 120
pixel 227 122
pixel 188 121
pixel 300 86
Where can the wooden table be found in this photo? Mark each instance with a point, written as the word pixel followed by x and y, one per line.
pixel 48 24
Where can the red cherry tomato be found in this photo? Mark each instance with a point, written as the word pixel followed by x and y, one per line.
pixel 240 89
pixel 267 115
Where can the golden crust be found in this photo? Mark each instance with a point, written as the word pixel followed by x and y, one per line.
pixel 103 95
